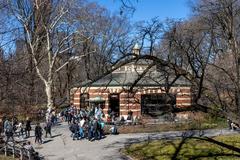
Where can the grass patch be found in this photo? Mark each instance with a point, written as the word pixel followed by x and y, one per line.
pixel 187 149
pixel 6 158
pixel 170 127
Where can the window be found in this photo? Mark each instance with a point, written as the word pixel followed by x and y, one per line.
pixel 157 104
pixel 83 100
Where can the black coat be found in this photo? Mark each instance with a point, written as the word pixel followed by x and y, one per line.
pixel 38 131
pixel 28 125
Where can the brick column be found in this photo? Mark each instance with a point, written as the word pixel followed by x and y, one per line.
pixel 76 98
pixel 130 102
pixel 184 99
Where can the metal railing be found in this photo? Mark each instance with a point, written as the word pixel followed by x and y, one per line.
pixel 17 150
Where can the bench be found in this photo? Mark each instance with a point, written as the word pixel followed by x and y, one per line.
pixel 18 149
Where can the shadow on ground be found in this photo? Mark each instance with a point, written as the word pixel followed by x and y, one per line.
pixel 173 149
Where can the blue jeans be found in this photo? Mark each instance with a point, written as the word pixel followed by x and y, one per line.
pixel 97 135
pixel 90 134
pixel 81 132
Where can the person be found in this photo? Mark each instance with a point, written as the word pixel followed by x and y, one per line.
pixel 21 127
pixel 71 128
pixel 28 127
pixel 75 130
pixel 229 123
pixel 122 120
pixel 90 129
pixel 70 117
pixel 234 126
pixel 15 124
pixel 8 129
pixel 48 128
pixel 95 129
pixel 32 153
pixel 38 134
pixel 1 126
pixel 98 112
pixel 18 129
pixel 113 129
pixel 136 120
pixel 82 114
pixel 109 119
pixel 129 117
pixel 61 115
pixel 28 146
pixel 113 116
pixel 66 115
pixel 81 130
pixel 100 129
pixel 53 117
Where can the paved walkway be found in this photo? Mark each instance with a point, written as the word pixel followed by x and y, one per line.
pixel 62 147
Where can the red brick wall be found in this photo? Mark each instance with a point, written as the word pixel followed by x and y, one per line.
pixel 130 101
pixel 133 101
pixel 184 98
pixel 76 97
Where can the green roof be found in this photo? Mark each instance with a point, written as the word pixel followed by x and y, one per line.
pixel 128 79
pixel 156 76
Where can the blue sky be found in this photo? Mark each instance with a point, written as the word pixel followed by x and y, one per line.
pixel 147 9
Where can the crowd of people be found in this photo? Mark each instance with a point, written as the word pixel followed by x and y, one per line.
pixel 85 123
pixel 19 128
pixel 22 129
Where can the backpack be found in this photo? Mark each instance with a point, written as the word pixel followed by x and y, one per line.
pixel 9 129
pixel 101 124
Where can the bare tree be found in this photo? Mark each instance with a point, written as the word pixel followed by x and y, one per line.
pixel 42 22
pixel 222 19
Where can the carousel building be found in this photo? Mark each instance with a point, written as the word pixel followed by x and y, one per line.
pixel 148 96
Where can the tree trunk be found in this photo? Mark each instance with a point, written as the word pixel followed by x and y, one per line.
pixel 49 96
